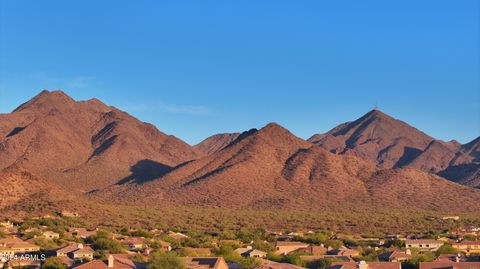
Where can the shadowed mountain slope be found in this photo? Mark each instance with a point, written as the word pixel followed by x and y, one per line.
pixel 87 149
pixel 376 137
pixel 82 145
pixel 271 168
pixel 392 143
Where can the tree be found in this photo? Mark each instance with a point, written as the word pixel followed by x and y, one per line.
pixel 395 243
pixel 109 245
pixel 125 231
pixel 102 241
pixel 142 233
pixel 161 260
pixel 416 259
pixel 54 263
pixel 446 249
pixel 228 253
pixel 334 243
pixel 260 245
pixel 294 259
pixel 319 264
pixel 249 263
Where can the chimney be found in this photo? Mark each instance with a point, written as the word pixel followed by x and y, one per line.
pixel 457 258
pixel 362 265
pixel 408 252
pixel 80 246
pixel 110 261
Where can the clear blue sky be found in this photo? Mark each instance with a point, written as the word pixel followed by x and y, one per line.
pixel 195 68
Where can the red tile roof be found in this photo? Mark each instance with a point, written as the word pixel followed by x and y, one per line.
pixel 275 265
pixel 68 249
pixel 450 265
pixel 204 263
pixel 422 241
pixel 98 264
pixel 289 243
pixel 467 242
pixel 371 265
pixel 388 256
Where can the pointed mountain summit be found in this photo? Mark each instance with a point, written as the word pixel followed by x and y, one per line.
pixel 47 100
pixel 271 168
pixel 85 149
pixel 216 143
pixel 376 137
pixel 391 143
pixel 241 173
pixel 84 145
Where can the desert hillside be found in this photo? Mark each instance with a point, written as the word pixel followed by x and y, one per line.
pixel 57 151
pixel 84 145
pixel 392 143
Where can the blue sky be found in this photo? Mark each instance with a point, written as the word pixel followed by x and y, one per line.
pixel 195 68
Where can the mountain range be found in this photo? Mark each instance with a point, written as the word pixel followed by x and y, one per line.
pixel 392 143
pixel 74 150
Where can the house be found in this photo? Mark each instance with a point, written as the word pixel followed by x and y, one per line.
pixel 6 223
pixel 365 265
pixel 134 243
pixel 449 265
pixel 451 218
pixel 250 252
pixel 30 230
pixel 69 214
pixel 76 251
pixel 65 251
pixel 243 250
pixel 6 252
pixel 205 263
pixel 24 247
pixel 81 232
pixel 124 260
pixel 177 236
pixel 463 231
pixel 343 251
pixel 22 263
pixel 285 247
pixel 395 256
pixel 255 253
pixel 111 263
pixel 17 246
pixel 467 247
pixel 66 260
pixel 312 250
pixel 83 253
pixel 450 258
pixel 164 246
pixel 423 244
pixel 275 265
pixel 51 235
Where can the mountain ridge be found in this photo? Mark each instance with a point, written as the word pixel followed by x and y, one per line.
pixel 86 143
pixel 89 150
pixel 392 143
